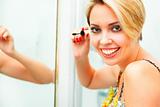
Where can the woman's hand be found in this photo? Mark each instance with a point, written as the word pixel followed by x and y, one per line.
pixel 81 43
pixel 6 41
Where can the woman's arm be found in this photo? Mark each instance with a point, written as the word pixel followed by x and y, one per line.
pixel 88 76
pixel 19 66
pixel 96 78
pixel 25 69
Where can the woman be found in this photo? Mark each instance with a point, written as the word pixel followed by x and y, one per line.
pixel 116 27
pixel 18 66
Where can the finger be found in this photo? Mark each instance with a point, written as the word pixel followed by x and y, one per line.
pixel 73 39
pixel 83 31
pixel 2 31
pixel 78 39
pixel 87 37
pixel 73 35
pixel 6 35
pixel 84 28
pixel 79 35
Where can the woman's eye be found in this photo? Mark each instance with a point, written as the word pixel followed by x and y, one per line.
pixel 95 30
pixel 116 28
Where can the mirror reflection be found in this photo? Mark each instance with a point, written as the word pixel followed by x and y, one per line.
pixel 27 82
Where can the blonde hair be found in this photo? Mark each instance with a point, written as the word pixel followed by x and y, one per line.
pixel 130 13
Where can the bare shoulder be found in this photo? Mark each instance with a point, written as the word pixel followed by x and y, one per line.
pixel 141 67
pixel 141 80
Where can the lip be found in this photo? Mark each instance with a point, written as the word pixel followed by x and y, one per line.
pixel 109 52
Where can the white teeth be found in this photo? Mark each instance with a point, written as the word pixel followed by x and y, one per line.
pixel 110 51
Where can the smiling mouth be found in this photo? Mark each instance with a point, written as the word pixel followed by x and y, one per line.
pixel 110 52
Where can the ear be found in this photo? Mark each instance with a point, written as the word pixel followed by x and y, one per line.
pixel 140 37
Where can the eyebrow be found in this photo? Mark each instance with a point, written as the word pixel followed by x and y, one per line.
pixel 110 24
pixel 113 23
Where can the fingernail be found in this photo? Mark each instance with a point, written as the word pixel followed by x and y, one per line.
pixel 87 35
pixel 84 28
pixel 80 39
pixel 77 40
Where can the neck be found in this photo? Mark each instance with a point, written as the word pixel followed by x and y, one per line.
pixel 134 57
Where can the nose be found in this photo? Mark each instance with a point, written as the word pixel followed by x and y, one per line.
pixel 105 39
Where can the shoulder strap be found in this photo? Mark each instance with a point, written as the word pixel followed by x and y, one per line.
pixel 152 64
pixel 121 92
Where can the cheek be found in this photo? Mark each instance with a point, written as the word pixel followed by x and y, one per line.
pixel 94 41
pixel 122 40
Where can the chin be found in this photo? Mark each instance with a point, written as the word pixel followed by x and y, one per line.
pixel 110 62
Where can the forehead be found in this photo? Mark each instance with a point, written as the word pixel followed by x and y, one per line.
pixel 102 13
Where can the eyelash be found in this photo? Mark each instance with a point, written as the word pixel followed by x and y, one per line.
pixel 114 28
pixel 95 30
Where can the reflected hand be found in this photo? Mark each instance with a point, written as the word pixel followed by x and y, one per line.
pixel 81 43
pixel 6 41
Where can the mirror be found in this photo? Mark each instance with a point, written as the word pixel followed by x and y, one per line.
pixel 32 24
pixel 71 92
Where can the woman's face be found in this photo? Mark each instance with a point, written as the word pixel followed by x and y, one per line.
pixel 107 36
